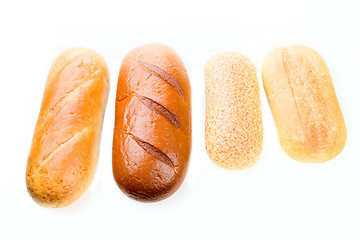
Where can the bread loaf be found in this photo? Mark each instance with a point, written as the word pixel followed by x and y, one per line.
pixel 302 98
pixel 233 127
pixel 65 146
pixel 152 134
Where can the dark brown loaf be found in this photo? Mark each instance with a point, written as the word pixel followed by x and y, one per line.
pixel 65 146
pixel 152 134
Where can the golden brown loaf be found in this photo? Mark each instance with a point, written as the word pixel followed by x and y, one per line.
pixel 65 146
pixel 302 98
pixel 233 127
pixel 152 134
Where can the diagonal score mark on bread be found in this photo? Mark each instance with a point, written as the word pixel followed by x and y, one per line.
pixel 68 97
pixel 61 146
pixel 162 74
pixel 154 106
pixel 157 107
pixel 153 151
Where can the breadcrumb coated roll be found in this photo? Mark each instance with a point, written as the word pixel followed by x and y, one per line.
pixel 233 127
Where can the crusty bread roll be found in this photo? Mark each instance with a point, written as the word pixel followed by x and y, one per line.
pixel 302 98
pixel 233 128
pixel 65 146
pixel 152 134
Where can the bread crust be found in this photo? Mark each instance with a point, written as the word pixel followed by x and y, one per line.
pixel 233 127
pixel 65 146
pixel 152 134
pixel 300 91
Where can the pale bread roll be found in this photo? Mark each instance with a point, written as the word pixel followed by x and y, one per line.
pixel 302 98
pixel 233 128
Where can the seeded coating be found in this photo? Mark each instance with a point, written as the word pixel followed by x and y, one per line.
pixel 233 127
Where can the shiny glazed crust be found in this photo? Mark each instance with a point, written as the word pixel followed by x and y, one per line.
pixel 152 134
pixel 233 127
pixel 302 98
pixel 65 146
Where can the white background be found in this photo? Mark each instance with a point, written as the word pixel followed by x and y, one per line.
pixel 278 198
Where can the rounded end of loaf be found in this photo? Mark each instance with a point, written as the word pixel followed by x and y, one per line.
pixel 50 189
pixel 153 52
pixel 90 58
pixel 233 128
pixel 54 194
pixel 158 54
pixel 145 186
pixel 309 155
pixel 149 194
pixel 303 101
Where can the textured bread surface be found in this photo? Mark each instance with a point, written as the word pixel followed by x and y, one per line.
pixel 152 134
pixel 233 127
pixel 65 146
pixel 302 98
